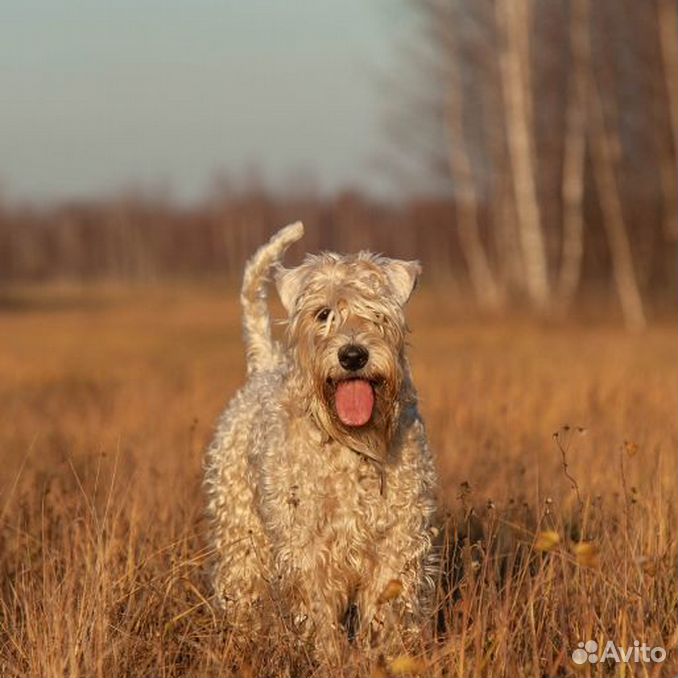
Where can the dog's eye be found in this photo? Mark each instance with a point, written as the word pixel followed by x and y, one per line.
pixel 323 314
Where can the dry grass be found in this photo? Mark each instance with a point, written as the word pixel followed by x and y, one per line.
pixel 107 399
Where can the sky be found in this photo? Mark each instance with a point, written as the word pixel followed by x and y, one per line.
pixel 99 96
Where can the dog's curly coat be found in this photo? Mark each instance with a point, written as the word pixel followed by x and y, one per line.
pixel 319 478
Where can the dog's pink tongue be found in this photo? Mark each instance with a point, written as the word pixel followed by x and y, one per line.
pixel 354 400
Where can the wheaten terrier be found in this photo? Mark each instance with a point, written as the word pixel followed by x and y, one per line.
pixel 320 480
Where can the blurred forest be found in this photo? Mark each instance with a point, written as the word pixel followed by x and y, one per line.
pixel 543 132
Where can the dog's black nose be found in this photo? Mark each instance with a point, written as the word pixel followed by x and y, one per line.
pixel 353 356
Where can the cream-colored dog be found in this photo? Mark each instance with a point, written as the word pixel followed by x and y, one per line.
pixel 320 480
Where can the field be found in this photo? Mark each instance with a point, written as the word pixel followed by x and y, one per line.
pixel 107 400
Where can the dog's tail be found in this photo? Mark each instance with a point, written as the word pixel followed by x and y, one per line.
pixel 259 345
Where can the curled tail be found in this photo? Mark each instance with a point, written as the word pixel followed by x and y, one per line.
pixel 259 345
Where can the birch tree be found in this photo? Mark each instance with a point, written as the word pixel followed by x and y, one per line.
pixel 574 153
pixel 481 275
pixel 514 16
pixel 602 145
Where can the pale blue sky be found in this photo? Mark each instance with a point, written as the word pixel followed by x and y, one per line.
pixel 97 96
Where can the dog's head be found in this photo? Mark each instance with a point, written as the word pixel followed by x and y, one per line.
pixel 346 332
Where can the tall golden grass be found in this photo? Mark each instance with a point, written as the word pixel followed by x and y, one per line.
pixel 108 398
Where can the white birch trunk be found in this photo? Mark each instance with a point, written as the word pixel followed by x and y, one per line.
pixel 613 215
pixel 574 155
pixel 513 16
pixel 466 199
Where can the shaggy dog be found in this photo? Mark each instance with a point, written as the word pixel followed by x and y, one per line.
pixel 320 480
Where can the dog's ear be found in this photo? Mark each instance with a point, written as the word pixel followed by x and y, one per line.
pixel 402 277
pixel 288 283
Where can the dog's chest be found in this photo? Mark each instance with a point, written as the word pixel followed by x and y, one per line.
pixel 334 494
pixel 352 480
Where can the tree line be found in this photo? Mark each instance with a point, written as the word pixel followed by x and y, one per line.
pixel 553 125
pixel 146 239
pixel 543 137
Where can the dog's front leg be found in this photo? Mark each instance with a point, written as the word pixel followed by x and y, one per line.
pixel 395 598
pixel 315 603
pixel 390 611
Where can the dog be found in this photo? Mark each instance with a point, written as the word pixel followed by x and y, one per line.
pixel 321 486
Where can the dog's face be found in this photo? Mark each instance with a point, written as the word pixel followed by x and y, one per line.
pixel 346 332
